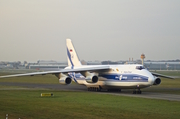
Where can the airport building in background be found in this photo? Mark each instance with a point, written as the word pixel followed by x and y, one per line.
pixel 162 65
pixel 57 65
pixel 47 65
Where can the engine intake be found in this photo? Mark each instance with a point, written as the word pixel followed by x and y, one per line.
pixel 157 81
pixel 92 79
pixel 65 80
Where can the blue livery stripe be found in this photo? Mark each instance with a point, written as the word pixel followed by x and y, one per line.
pixel 114 77
pixel 72 75
pixel 69 56
pixel 125 77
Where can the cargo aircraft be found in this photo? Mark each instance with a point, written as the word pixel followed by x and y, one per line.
pixel 102 77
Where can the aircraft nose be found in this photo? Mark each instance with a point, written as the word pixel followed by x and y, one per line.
pixel 151 78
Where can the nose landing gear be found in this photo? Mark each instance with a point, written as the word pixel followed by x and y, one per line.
pixel 138 91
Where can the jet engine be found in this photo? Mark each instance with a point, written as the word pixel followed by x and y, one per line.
pixel 91 79
pixel 157 81
pixel 65 80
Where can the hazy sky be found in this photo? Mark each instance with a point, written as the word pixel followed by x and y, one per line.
pixel 115 30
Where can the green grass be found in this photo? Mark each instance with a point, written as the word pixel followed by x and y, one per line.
pixel 44 79
pixel 27 104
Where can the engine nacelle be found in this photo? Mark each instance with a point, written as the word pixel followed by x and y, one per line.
pixel 157 81
pixel 91 79
pixel 65 80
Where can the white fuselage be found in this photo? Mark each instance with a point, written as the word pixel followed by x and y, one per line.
pixel 119 77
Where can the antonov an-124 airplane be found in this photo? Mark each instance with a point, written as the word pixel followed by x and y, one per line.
pixel 98 77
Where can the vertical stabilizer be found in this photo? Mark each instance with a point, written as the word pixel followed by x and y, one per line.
pixel 72 57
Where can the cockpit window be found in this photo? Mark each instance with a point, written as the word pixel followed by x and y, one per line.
pixel 140 67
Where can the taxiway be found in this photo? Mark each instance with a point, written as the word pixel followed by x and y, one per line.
pixel 74 87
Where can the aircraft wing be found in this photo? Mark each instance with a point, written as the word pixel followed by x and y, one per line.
pixel 83 69
pixel 160 75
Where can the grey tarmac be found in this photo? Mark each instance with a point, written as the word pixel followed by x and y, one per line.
pixel 74 87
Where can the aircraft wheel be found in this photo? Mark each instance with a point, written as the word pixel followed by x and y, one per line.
pixel 134 92
pixel 139 91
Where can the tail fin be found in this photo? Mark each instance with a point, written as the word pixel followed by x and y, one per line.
pixel 72 57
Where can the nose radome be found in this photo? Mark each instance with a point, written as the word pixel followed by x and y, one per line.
pixel 151 78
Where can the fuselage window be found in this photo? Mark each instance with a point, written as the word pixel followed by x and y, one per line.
pixel 140 67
